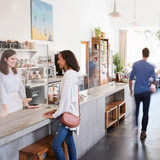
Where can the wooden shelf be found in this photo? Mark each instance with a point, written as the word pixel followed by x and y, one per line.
pixel 121 115
pixel 114 112
pixel 50 158
pixel 110 115
pixel 118 103
pixel 121 108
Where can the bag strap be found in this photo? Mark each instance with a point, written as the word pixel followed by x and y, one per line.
pixel 79 103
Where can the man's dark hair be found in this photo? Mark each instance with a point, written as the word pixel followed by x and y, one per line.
pixel 70 59
pixel 145 52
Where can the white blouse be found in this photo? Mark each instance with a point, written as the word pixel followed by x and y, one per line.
pixel 11 83
pixel 68 94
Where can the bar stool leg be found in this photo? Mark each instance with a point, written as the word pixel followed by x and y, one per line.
pixel 37 158
pixel 65 150
pixel 23 156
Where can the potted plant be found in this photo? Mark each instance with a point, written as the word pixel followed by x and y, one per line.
pixel 97 32
pixel 118 64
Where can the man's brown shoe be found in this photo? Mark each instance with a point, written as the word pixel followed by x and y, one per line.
pixel 143 135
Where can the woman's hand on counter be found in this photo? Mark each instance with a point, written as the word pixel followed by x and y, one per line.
pixel 26 103
pixel 49 114
pixel 4 114
pixel 31 107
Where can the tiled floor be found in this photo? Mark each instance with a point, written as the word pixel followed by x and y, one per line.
pixel 121 144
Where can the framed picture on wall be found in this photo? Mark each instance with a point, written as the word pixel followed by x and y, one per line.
pixel 41 21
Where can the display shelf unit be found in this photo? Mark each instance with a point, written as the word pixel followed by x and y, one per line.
pixel 110 115
pixel 121 108
pixel 25 68
pixel 31 51
pixel 37 65
pixel 115 110
pixel 20 50
pixel 100 48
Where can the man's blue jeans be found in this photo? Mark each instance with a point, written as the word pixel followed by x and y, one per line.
pixel 67 135
pixel 145 98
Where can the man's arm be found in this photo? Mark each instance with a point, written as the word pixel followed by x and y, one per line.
pixel 130 86
pixel 131 78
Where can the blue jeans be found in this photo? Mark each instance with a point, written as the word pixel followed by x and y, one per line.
pixel 67 135
pixel 145 98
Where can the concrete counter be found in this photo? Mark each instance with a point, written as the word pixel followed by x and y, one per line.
pixel 92 126
pixel 24 127
pixel 101 91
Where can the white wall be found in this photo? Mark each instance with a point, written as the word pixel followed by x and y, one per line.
pixel 15 20
pixel 74 20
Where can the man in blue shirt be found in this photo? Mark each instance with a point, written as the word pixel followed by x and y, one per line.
pixel 93 72
pixel 142 71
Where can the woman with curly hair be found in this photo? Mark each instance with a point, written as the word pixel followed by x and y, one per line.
pixel 68 103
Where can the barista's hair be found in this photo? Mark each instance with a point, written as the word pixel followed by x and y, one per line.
pixel 70 60
pixel 3 64
pixel 145 52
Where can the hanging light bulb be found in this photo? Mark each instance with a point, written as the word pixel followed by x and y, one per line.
pixel 134 23
pixel 115 13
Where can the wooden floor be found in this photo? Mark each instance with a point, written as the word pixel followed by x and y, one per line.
pixel 121 143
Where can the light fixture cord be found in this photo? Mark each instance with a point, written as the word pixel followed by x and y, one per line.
pixel 114 5
pixel 134 10
pixel 159 27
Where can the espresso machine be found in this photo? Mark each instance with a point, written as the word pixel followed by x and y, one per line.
pixel 37 93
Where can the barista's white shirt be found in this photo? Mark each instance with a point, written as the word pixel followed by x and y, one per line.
pixel 68 94
pixel 11 83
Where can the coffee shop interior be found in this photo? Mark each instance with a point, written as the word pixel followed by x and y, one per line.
pixel 107 33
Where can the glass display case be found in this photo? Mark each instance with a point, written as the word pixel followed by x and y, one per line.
pixel 35 75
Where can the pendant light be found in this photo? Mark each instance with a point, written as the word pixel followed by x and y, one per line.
pixel 134 23
pixel 114 13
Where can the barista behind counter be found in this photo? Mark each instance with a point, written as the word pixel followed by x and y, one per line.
pixel 11 87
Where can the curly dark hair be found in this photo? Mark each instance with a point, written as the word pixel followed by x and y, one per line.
pixel 70 59
pixel 3 65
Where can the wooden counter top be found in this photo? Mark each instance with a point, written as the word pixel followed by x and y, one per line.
pixel 22 122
